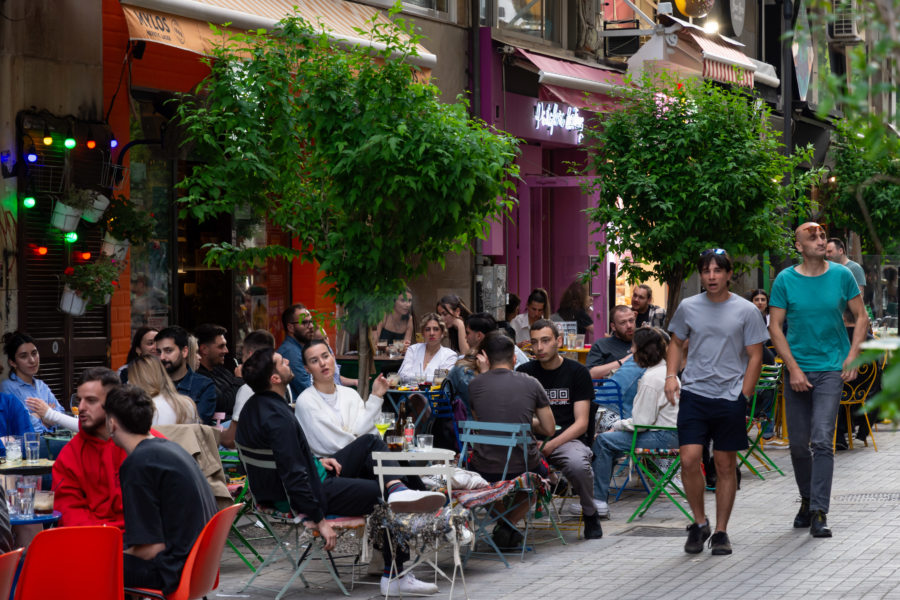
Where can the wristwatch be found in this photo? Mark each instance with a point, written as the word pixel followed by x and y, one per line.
pixel 619 361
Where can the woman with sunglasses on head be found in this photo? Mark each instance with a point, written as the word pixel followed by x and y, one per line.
pixel 24 361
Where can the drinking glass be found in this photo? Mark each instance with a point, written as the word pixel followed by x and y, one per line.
pixel 9 484
pixel 570 340
pixel 381 346
pixel 383 422
pixel 395 443
pixel 25 488
pixel 579 340
pixel 13 445
pixel 32 451
pixel 439 376
pixel 425 441
pixel 43 502
pixel 393 380
pixel 420 380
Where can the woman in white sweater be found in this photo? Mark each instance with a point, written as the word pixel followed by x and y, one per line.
pixel 431 355
pixel 332 415
pixel 650 408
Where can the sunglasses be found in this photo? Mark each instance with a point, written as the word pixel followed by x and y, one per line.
pixel 719 251
pixel 814 229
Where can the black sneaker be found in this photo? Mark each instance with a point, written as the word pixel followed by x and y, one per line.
pixel 802 520
pixel 720 544
pixel 592 528
pixel 819 526
pixel 697 535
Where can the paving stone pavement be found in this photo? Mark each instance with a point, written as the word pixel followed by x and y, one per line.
pixel 645 559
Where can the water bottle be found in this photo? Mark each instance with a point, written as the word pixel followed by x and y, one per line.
pixel 409 433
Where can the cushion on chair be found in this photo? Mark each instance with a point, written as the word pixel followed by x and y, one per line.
pixel 430 528
pixel 657 451
pixel 495 491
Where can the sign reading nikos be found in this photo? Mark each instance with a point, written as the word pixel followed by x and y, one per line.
pixel 551 117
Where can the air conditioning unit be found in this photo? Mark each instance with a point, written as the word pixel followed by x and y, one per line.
pixel 844 29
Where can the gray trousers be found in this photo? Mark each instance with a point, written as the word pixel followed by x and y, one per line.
pixel 810 419
pixel 573 459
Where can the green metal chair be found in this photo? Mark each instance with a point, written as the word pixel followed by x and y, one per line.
pixel 769 380
pixel 660 480
pixel 232 465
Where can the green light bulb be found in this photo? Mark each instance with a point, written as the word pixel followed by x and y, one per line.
pixel 69 143
pixel 71 237
pixel 29 202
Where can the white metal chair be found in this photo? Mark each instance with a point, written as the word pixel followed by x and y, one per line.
pixel 422 533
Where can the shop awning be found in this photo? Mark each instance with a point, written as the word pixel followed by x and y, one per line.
pixel 184 24
pixel 579 85
pixel 723 63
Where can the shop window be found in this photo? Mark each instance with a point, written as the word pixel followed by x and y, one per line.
pixel 440 9
pixel 535 18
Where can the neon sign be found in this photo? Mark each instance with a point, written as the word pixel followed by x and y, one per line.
pixel 550 116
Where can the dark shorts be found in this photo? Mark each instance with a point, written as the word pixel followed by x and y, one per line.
pixel 723 421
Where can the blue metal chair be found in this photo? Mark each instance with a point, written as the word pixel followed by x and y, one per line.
pixel 441 404
pixel 513 437
pixel 609 393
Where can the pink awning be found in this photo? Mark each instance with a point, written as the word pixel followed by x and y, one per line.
pixel 578 85
pixel 722 62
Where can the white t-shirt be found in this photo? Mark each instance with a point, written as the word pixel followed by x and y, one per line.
pixel 240 399
pixel 164 414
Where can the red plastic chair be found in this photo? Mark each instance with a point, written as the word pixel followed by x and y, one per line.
pixel 201 570
pixel 8 564
pixel 101 579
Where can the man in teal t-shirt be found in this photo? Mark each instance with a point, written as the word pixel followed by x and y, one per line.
pixel 817 356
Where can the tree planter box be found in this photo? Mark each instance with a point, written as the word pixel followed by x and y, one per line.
pixel 64 217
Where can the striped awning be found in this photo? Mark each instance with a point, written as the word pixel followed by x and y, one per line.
pixel 184 24
pixel 722 62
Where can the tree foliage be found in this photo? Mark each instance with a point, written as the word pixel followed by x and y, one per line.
pixel 865 193
pixel 347 149
pixel 686 166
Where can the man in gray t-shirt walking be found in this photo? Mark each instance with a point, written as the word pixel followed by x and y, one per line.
pixel 723 365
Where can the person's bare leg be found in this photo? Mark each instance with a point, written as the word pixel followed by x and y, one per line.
pixel 726 486
pixel 692 478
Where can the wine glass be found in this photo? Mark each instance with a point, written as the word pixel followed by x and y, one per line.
pixel 383 422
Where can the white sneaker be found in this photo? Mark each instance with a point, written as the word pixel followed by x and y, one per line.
pixel 602 508
pixel 571 508
pixel 408 584
pixel 414 501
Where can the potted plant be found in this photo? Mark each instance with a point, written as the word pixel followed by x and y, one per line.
pixel 89 284
pixel 125 224
pixel 95 211
pixel 67 211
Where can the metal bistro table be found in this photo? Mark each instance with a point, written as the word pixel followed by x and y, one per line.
pixel 41 466
pixel 50 519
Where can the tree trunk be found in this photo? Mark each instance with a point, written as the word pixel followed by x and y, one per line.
pixel 674 283
pixel 366 360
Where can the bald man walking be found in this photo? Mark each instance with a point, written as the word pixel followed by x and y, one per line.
pixel 817 357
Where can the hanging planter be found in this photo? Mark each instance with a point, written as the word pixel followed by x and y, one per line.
pixel 126 222
pixel 68 210
pixel 93 283
pixel 71 303
pixel 117 249
pixel 97 208
pixel 65 217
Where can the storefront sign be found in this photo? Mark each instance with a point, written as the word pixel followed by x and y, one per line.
pixel 550 116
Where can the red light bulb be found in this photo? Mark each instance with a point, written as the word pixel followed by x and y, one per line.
pixel 41 250
pixel 91 144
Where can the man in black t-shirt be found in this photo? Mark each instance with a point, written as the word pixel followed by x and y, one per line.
pixel 166 500
pixel 569 387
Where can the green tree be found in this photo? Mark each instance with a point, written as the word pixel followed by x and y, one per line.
pixel 865 193
pixel 351 152
pixel 686 166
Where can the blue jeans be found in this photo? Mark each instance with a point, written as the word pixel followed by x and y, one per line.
pixel 611 445
pixel 810 419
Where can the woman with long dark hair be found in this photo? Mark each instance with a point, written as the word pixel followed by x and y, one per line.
pixel 24 361
pixel 455 312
